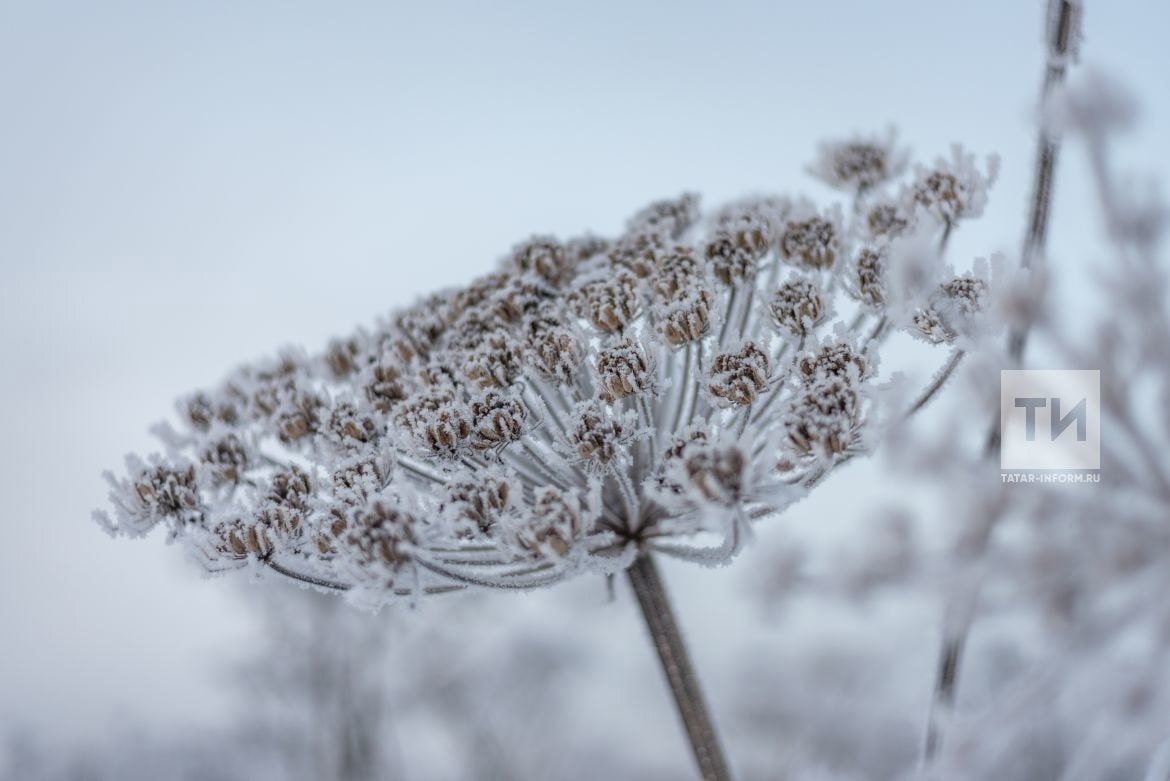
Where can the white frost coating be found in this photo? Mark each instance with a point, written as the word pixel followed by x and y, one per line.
pixel 591 398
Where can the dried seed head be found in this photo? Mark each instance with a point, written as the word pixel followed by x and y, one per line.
pixel 834 360
pixel 554 524
pixel 354 482
pixel 952 310
pixel 227 459
pixel 496 362
pixel 730 262
pixel 637 253
pixel 553 350
pixel 667 479
pixel 624 369
pixel 438 424
pixel 596 436
pixel 349 429
pixel 608 304
pixel 886 220
pixel 669 218
pixel 738 378
pixel 869 278
pixel 384 387
pixel 859 164
pixel 822 420
pixel 717 473
pixel 543 256
pixel 953 189
pixel 797 307
pixel 678 270
pixel 164 492
pixel 814 241
pixel 342 357
pixel 377 536
pixel 499 419
pixel 200 411
pixel 479 503
pixel 687 318
pixel 583 248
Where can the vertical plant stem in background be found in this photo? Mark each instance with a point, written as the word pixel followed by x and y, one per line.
pixel 1063 22
pixel 676 664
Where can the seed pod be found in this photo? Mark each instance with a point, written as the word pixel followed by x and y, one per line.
pixel 738 378
pixel 608 304
pixel 348 429
pixel 797 307
pixel 886 220
pixel 596 435
pixel 717 473
pixel 814 242
pixel 480 503
pixel 384 387
pixel 952 310
pixel 377 535
pixel 543 256
pixel 554 524
pixel 837 359
pixel 625 370
pixel 498 420
pixel 669 217
pixel 678 271
pixel 823 419
pixel 553 350
pixel 495 362
pixel 687 319
pixel 730 262
pixel 869 278
pixel 227 459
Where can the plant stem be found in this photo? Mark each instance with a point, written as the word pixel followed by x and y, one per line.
pixel 676 664
pixel 1063 24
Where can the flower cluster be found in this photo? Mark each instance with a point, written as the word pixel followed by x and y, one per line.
pixel 591 398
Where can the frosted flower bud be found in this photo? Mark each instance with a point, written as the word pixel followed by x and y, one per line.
pixel 355 481
pixel 348 429
pixel 637 253
pixel 952 310
pixel 342 357
pixel 738 378
pixel 418 330
pixel 200 411
pixel 227 459
pixel 953 189
pixel 554 524
pixel 717 473
pixel 376 537
pixel 238 540
pixel 669 218
pixel 624 369
pixel 384 387
pixel 678 270
pixel 543 256
pixel 479 503
pixel 162 493
pixel 553 350
pixel 886 220
pixel 797 307
pixel 596 435
pixel 519 297
pixel 859 164
pixel 583 248
pixel 608 304
pixel 833 360
pixel 436 423
pixel 496 362
pixel 498 419
pixel 814 242
pixel 730 262
pixel 869 278
pixel 822 420
pixel 687 318
pixel 666 479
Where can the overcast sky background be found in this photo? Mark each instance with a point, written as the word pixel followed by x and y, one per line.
pixel 185 186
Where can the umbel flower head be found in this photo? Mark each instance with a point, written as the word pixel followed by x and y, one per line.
pixel 663 389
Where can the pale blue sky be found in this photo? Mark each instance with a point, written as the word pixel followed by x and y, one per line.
pixel 184 186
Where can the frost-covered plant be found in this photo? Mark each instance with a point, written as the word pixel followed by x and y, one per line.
pixel 593 401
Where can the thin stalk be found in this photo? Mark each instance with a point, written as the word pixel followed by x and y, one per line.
pixel 1063 22
pixel 676 664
